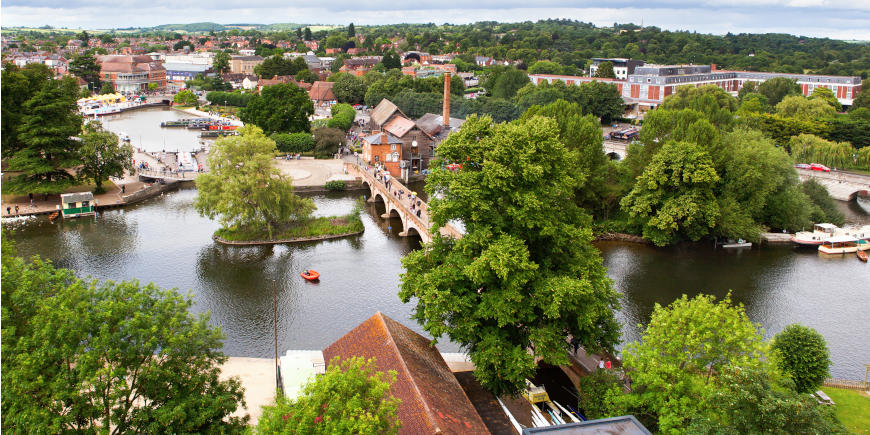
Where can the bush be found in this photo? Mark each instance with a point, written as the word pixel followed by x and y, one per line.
pixel 219 98
pixel 185 98
pixel 293 142
pixel 599 392
pixel 803 355
pixel 343 116
pixel 335 185
pixel 327 141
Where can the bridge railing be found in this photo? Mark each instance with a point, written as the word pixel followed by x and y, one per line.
pixel 167 174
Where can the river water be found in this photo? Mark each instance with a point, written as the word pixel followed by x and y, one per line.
pixel 143 127
pixel 163 240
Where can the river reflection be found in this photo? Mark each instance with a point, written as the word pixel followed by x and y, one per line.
pixel 164 240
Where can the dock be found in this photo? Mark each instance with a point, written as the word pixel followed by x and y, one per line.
pixel 776 238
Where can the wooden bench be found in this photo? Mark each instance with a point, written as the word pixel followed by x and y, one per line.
pixel 823 398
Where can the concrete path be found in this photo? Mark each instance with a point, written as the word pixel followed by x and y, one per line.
pixel 258 378
pixel 311 172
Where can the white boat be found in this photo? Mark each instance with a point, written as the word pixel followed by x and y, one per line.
pixel 820 233
pixel 860 233
pixel 839 245
pixel 740 243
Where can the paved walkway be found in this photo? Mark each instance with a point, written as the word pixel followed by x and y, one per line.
pixel 258 379
pixel 311 172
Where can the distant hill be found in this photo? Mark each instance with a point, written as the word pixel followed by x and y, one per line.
pixel 192 27
pixel 280 27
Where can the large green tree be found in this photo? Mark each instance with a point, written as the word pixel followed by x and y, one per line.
pixel 276 65
pixel 674 196
pixel 797 106
pixel 221 63
pixel 281 108
pixel 47 148
pixel 90 357
pixel 18 86
pixel 524 277
pixel 103 156
pixel 685 348
pixel 85 66
pixel 777 88
pixel 605 70
pixel 348 88
pixel 351 397
pixel 243 189
pixel 803 355
pixel 508 83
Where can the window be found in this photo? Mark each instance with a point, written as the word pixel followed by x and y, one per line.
pixel 85 203
pixel 395 157
pixel 393 147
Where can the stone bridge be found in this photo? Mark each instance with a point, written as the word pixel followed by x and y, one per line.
pixel 397 206
pixel 614 149
pixel 843 186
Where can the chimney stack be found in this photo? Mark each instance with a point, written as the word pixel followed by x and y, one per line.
pixel 384 138
pixel 445 121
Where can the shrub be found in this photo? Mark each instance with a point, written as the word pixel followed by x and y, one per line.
pixel 293 142
pixel 803 355
pixel 219 98
pixel 327 141
pixel 335 185
pixel 342 116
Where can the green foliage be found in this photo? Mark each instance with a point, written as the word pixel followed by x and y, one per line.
pixel 750 401
pixel 87 357
pixel 507 83
pixel 597 98
pixel 306 76
pixel 243 189
pixel 85 66
pixel 781 129
pixel 348 88
pixel 754 102
pixel 277 65
pixel 796 106
pixel 546 67
pixel 293 142
pixel 812 149
pixel 778 88
pixel 802 355
pixel 391 60
pixel 600 394
pixel 281 108
pixel 221 63
pixel 335 185
pixel 327 140
pixel 48 121
pixel 827 96
pixel 710 100
pixel 236 99
pixel 365 404
pixel 107 88
pixel 343 115
pixel 685 349
pixel 209 84
pixel 824 208
pixel 852 129
pixel 525 273
pixel 18 86
pixel 673 198
pixel 185 98
pixel 605 70
pixel 500 110
pixel 102 155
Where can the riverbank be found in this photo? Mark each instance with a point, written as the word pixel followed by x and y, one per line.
pixel 312 229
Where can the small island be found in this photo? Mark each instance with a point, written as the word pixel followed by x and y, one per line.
pixel 255 203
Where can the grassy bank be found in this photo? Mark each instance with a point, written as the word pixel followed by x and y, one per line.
pixel 852 408
pixel 312 227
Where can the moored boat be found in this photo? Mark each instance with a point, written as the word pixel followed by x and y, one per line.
pixel 820 233
pixel 862 256
pixel 310 275
pixel 839 245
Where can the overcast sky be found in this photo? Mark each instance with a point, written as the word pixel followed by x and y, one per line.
pixel 841 19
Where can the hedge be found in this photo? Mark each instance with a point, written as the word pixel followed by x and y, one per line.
pixel 230 98
pixel 342 116
pixel 294 142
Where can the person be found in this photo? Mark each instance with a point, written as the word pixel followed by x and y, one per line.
pixel 16 210
pixel 601 365
pixel 123 188
pixel 418 212
pixel 8 210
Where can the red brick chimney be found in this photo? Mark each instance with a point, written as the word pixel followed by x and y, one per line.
pixel 445 121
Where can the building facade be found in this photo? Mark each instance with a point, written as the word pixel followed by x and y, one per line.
pixel 244 64
pixel 131 73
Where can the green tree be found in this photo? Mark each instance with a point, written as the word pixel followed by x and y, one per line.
pixel 351 397
pixel 545 67
pixel 185 98
pixel 107 88
pixel 391 60
pixel 49 123
pixel 18 86
pixel 824 207
pixel 862 100
pixel 294 142
pixel 778 88
pixel 243 189
pixel 751 401
pixel 307 35
pixel 711 101
pixel 685 348
pixel 90 357
pixel 754 102
pixel 275 65
pixel 85 66
pixel 673 198
pixel 327 141
pixel 351 31
pixel 525 275
pixel 797 106
pixel 602 100
pixel 827 96
pixel 802 355
pixel 336 40
pixel 306 76
pixel 508 83
pixel 221 63
pixel 348 88
pixel 605 70
pixel 153 86
pixel 281 108
pixel 102 156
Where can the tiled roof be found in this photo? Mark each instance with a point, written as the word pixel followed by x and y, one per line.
pixel 432 399
pixel 378 139
pixel 382 112
pixel 321 91
pixel 399 126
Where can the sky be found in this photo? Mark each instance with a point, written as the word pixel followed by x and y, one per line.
pixel 839 19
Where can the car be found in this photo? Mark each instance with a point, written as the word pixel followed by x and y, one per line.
pixel 819 167
pixel 802 166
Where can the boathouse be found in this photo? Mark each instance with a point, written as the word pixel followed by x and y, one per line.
pixel 77 204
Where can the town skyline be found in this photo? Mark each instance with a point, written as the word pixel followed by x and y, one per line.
pixel 832 19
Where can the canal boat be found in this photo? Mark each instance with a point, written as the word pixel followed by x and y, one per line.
pixel 310 275
pixel 77 204
pixel 820 233
pixel 842 244
pixel 861 256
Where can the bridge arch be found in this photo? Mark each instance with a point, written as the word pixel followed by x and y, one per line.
pixel 613 155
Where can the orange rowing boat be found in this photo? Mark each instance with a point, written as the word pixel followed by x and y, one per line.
pixel 310 275
pixel 861 255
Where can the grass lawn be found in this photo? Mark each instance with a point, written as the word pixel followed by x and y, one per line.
pixel 313 227
pixel 852 407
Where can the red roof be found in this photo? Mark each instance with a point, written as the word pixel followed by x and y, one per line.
pixel 432 399
pixel 321 91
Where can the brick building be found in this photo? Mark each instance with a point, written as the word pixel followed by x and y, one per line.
pixel 244 64
pixel 131 73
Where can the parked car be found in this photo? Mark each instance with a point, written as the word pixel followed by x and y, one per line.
pixel 819 167
pixel 802 166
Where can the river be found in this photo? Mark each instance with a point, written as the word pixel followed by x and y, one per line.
pixel 163 240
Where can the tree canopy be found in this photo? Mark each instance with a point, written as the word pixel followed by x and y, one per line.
pixel 802 355
pixel 525 275
pixel 281 108
pixel 103 156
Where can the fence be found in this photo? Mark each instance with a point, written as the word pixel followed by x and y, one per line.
pixel 847 384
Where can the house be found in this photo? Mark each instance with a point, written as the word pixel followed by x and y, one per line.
pixel 622 67
pixel 277 80
pixel 417 145
pixel 250 82
pixel 180 72
pixel 358 66
pixel 384 148
pixel 432 400
pixel 235 80
pixel 483 60
pixel 131 73
pixel 77 204
pixel 321 93
pixel 312 61
pixel 244 64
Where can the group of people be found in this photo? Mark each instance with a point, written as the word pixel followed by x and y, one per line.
pixel 382 175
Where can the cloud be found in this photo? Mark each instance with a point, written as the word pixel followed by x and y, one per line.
pixel 824 18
